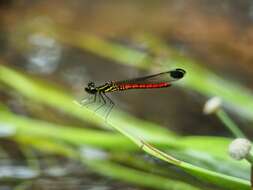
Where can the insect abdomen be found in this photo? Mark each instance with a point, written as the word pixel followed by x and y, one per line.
pixel 141 86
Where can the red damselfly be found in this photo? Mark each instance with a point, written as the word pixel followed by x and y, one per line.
pixel 160 80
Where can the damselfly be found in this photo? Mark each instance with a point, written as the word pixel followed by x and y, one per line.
pixel 160 80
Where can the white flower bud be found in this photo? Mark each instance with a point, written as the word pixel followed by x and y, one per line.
pixel 239 148
pixel 212 105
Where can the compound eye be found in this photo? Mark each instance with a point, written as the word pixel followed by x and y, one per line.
pixel 91 84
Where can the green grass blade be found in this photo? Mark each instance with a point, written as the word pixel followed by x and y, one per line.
pixel 136 130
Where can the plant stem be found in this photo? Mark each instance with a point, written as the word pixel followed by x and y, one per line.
pixel 227 121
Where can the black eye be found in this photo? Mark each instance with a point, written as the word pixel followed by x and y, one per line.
pixel 178 73
pixel 91 84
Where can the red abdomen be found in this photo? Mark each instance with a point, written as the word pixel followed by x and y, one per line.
pixel 141 86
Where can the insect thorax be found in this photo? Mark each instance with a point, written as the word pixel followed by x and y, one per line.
pixel 108 87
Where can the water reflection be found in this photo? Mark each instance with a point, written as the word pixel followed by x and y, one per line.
pixel 45 54
pixel 6 130
pixel 92 153
pixel 17 172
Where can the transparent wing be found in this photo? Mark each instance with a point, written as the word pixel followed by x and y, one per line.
pixel 168 76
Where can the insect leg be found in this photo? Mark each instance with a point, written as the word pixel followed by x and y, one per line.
pixel 110 107
pixel 90 102
pixel 99 98
pixel 104 101
pixel 86 99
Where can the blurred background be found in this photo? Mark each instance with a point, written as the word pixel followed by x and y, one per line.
pixel 50 50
